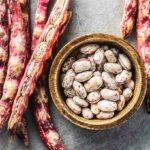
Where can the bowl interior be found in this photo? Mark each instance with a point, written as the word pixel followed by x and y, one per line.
pixel 138 75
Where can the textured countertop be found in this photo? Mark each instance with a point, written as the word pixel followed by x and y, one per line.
pixel 90 16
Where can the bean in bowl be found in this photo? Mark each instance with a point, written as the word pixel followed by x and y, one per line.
pixel 97 81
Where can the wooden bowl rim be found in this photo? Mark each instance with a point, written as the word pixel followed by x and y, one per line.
pixel 132 106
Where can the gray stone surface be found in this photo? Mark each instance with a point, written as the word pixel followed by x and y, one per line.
pixel 90 16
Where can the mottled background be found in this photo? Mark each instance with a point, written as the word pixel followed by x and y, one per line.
pixel 90 16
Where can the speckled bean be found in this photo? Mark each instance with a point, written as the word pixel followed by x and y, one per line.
pixel 79 101
pixel 67 65
pixel 94 97
pixel 93 65
pixel 114 68
pixel 87 113
pixel 110 56
pixel 109 81
pixel 111 95
pixel 121 103
pixel 107 106
pixel 89 48
pixel 94 108
pixel 99 56
pixel 93 84
pixel 124 61
pixel 79 89
pixel 81 65
pixel 123 77
pixel 68 79
pixel 127 93
pixel 84 76
pixel 105 115
pixel 71 104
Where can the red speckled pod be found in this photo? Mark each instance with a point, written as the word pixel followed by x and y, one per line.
pixel 22 129
pixel 129 17
pixel 4 41
pixel 39 22
pixel 40 99
pixel 42 52
pixel 16 63
pixel 143 38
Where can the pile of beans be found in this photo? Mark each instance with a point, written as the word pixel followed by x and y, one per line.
pixel 97 82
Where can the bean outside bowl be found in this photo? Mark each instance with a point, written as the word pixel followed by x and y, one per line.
pixel 139 77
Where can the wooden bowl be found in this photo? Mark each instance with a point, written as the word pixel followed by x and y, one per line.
pixel 139 76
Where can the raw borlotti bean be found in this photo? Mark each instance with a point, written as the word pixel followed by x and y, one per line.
pixel 84 76
pixel 89 48
pixel 93 84
pixel 121 103
pixel 127 93
pixel 68 79
pixel 93 65
pixel 74 107
pixel 79 101
pixel 97 81
pixel 107 106
pixel 99 56
pixel 94 108
pixel 94 97
pixel 123 77
pixel 109 81
pixel 67 65
pixel 124 61
pixel 105 115
pixel 112 95
pixel 87 113
pixel 80 65
pixel 110 56
pixel 112 68
pixel 79 89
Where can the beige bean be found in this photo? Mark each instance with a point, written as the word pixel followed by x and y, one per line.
pixel 93 84
pixel 87 113
pixel 107 106
pixel 93 65
pixel 130 84
pixel 99 56
pixel 68 63
pixel 89 48
pixel 68 79
pixel 70 92
pixel 94 108
pixel 81 65
pixel 81 102
pixel 114 68
pixel 110 56
pixel 84 76
pixel 127 93
pixel 75 108
pixel 105 115
pixel 112 95
pixel 109 81
pixel 79 89
pixel 123 77
pixel 124 61
pixel 93 97
pixel 121 103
